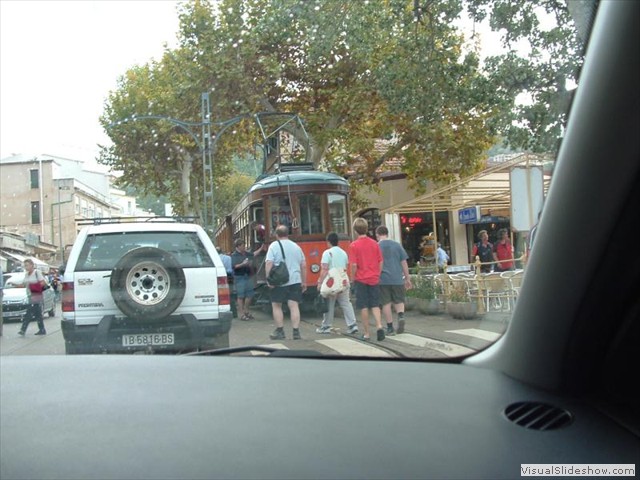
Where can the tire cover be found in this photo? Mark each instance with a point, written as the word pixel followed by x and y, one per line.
pixel 147 284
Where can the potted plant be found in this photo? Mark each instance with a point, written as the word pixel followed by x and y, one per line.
pixel 459 305
pixel 423 295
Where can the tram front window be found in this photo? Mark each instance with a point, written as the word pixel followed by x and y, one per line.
pixel 280 211
pixel 337 212
pixel 311 214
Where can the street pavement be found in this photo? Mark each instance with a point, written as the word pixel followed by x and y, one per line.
pixel 426 336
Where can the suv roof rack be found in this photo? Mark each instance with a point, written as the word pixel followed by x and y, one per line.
pixel 158 219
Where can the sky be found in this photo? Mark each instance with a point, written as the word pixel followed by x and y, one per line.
pixel 58 62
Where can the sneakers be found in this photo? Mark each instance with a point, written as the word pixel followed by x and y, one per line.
pixel 323 330
pixel 40 332
pixel 390 331
pixel 296 334
pixel 364 338
pixel 400 325
pixel 245 318
pixel 249 316
pixel 21 332
pixel 380 334
pixel 353 329
pixel 278 334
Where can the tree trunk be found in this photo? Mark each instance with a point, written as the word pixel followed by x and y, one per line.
pixel 186 166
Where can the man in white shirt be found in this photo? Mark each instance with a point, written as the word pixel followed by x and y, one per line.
pixel 292 291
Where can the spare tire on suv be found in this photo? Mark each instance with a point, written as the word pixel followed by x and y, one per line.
pixel 147 283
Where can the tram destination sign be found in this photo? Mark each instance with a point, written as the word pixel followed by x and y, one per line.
pixel 469 215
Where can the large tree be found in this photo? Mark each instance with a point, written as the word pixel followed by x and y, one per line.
pixel 373 81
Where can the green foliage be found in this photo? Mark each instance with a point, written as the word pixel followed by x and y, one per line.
pixel 458 293
pixel 423 287
pixel 552 59
pixel 229 193
pixel 356 72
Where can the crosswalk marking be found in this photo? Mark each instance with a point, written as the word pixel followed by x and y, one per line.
pixel 346 346
pixel 449 349
pixel 477 333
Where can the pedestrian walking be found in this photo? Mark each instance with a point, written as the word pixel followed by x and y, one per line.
pixel 228 266
pixel 336 257
pixel 394 279
pixel 291 292
pixel 366 262
pixel 35 284
pixel 242 265
pixel 503 252
pixel 442 258
pixel 484 250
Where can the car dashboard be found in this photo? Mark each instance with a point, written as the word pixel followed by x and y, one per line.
pixel 194 417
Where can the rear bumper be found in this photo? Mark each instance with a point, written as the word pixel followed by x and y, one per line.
pixel 189 333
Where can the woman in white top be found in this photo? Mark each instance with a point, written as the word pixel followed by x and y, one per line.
pixel 335 257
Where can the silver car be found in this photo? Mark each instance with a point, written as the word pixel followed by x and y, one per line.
pixel 15 299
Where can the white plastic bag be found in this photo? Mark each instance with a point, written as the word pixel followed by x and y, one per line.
pixel 336 281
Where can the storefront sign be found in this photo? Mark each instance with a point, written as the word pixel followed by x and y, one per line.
pixel 469 215
pixel 411 221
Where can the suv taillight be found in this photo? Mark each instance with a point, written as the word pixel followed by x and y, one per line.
pixel 224 294
pixel 68 297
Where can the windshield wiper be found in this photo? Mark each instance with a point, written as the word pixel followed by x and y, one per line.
pixel 272 351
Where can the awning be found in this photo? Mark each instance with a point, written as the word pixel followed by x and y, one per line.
pixel 489 189
pixel 40 265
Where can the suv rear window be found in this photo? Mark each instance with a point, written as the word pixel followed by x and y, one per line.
pixel 102 251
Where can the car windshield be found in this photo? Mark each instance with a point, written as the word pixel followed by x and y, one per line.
pixel 395 155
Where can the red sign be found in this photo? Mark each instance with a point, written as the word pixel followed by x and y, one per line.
pixel 411 221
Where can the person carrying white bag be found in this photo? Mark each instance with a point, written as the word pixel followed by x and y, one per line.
pixel 333 284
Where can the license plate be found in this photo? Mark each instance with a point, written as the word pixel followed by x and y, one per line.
pixel 144 339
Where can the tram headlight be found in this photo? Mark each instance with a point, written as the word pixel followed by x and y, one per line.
pixel 315 268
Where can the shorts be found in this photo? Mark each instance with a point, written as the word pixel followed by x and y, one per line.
pixel 367 296
pixel 286 293
pixel 392 294
pixel 243 286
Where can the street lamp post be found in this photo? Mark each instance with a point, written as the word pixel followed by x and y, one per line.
pixel 208 142
pixel 205 144
pixel 59 204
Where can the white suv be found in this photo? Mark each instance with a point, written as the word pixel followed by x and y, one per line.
pixel 154 285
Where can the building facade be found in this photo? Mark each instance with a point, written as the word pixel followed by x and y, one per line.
pixel 44 197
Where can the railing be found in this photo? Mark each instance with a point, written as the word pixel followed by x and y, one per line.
pixel 495 291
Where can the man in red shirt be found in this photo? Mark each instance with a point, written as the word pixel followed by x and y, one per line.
pixel 503 252
pixel 365 258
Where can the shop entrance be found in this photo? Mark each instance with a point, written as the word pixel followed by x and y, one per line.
pixel 417 226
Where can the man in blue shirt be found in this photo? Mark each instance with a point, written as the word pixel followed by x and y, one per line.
pixel 394 278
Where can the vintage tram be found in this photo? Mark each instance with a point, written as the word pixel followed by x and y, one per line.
pixel 311 203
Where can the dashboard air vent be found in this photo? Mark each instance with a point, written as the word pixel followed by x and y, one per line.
pixel 538 416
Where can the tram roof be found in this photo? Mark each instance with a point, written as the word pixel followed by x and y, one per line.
pixel 299 178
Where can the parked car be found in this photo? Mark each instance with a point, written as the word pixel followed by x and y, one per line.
pixel 15 299
pixel 157 286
